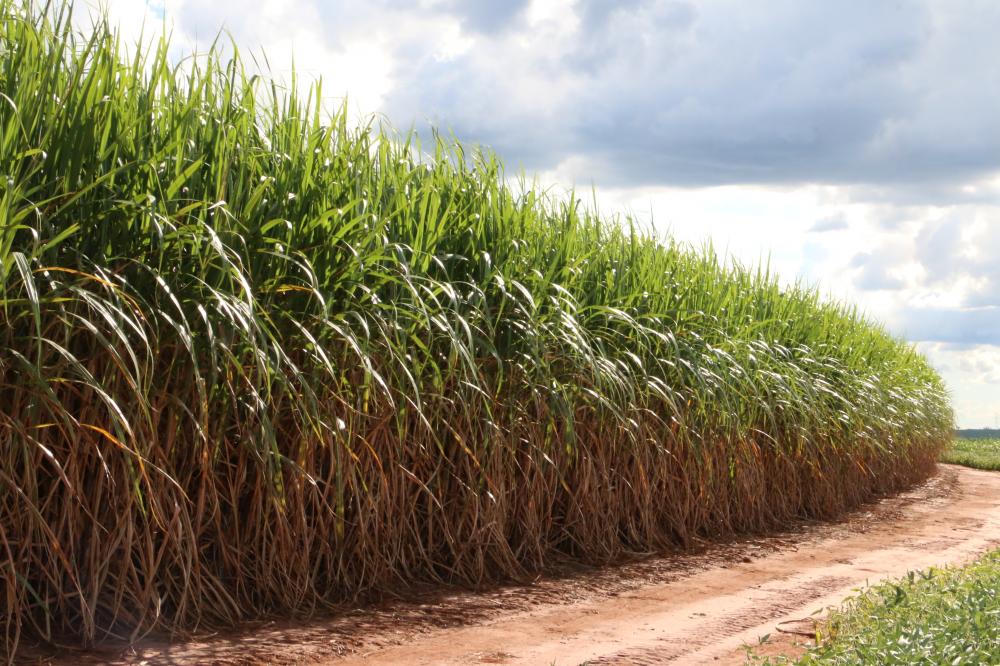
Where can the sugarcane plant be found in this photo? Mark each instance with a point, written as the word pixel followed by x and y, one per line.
pixel 258 358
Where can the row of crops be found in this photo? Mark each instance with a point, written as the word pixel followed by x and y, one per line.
pixel 255 359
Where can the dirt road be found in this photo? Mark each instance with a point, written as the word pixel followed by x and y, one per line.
pixel 693 609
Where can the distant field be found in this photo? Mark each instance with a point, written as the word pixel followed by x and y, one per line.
pixel 978 433
pixel 978 453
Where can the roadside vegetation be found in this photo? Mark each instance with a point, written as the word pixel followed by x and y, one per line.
pixel 938 616
pixel 255 360
pixel 981 453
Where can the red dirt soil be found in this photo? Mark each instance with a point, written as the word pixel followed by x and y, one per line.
pixel 700 607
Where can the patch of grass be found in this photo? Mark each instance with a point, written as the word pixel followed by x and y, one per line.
pixel 938 616
pixel 978 453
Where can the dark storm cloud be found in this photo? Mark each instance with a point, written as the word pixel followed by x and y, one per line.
pixel 723 91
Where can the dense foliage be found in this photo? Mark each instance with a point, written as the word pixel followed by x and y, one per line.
pixel 940 616
pixel 254 360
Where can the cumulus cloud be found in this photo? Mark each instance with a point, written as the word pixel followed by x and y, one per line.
pixel 874 273
pixel 837 222
pixel 952 325
pixel 658 92
pixel 891 97
pixel 973 373
pixel 961 248
pixel 486 16
pixel 671 92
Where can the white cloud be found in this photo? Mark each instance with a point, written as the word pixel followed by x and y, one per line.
pixel 973 376
pixel 720 91
pixel 836 222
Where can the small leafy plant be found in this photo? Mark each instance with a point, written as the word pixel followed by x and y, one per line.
pixel 939 616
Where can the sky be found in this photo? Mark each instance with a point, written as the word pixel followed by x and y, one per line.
pixel 854 145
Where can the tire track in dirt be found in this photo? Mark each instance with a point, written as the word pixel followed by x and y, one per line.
pixel 773 604
pixel 707 616
pixel 686 609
